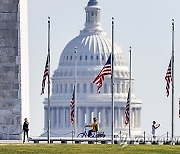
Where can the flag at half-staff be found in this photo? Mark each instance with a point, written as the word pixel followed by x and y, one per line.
pixel 72 107
pixel 106 70
pixel 127 109
pixel 168 78
pixel 46 74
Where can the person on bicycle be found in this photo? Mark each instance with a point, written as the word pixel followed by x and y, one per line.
pixel 94 125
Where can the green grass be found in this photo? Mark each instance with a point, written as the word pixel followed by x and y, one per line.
pixel 87 149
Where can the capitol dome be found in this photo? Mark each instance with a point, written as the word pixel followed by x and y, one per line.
pixel 94 49
pixel 90 50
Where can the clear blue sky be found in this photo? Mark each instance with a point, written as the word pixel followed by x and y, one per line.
pixel 144 25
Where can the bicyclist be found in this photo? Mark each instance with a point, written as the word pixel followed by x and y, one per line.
pixel 94 125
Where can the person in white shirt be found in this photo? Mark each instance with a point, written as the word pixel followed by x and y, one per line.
pixel 154 127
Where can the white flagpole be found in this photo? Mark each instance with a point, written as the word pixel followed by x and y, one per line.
pixel 112 83
pixel 172 62
pixel 49 114
pixel 75 95
pixel 130 94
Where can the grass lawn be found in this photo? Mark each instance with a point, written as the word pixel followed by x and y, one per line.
pixel 87 149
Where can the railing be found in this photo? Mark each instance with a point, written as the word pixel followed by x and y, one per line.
pixel 121 138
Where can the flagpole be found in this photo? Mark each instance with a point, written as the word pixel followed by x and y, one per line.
pixel 49 114
pixel 112 83
pixel 172 78
pixel 130 93
pixel 75 95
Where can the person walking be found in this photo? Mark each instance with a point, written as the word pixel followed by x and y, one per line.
pixel 25 129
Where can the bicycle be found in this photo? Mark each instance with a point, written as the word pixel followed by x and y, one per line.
pixel 94 134
pixel 83 133
pixel 100 134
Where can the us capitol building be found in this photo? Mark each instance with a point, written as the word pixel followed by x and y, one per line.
pixel 93 49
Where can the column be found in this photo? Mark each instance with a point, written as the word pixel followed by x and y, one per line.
pixel 103 117
pixel 79 117
pixel 115 117
pixel 57 117
pixel 88 115
pixel 119 117
pixel 106 117
pixel 133 118
pixel 100 115
pixel 109 117
pixel 83 116
pixel 122 118
pixel 64 116
pixel 139 117
pixel 51 113
pixel 136 117
pixel 53 117
pixel 92 115
pixel 67 118
pixel 61 118
pixel 68 114
pixel 45 118
pixel 95 112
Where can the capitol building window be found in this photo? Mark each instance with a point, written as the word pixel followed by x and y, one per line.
pixel 91 87
pixel 71 87
pixel 65 90
pixel 105 88
pixel 84 88
pixel 78 88
pixel 91 57
pixel 102 57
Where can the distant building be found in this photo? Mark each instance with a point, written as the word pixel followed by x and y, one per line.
pixel 14 69
pixel 93 49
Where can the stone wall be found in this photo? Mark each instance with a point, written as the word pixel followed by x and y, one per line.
pixel 10 87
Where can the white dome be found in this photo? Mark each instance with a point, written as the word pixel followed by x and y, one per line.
pixel 93 51
pixel 93 48
pixel 96 45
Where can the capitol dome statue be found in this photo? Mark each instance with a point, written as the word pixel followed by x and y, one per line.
pixel 93 49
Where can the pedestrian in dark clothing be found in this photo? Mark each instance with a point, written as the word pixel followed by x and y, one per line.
pixel 25 129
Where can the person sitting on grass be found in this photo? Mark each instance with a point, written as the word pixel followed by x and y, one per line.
pixel 94 125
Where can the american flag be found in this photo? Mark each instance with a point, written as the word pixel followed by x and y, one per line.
pixel 72 105
pixel 168 79
pixel 46 74
pixel 127 108
pixel 106 70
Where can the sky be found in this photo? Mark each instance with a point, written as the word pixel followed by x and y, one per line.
pixel 145 25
